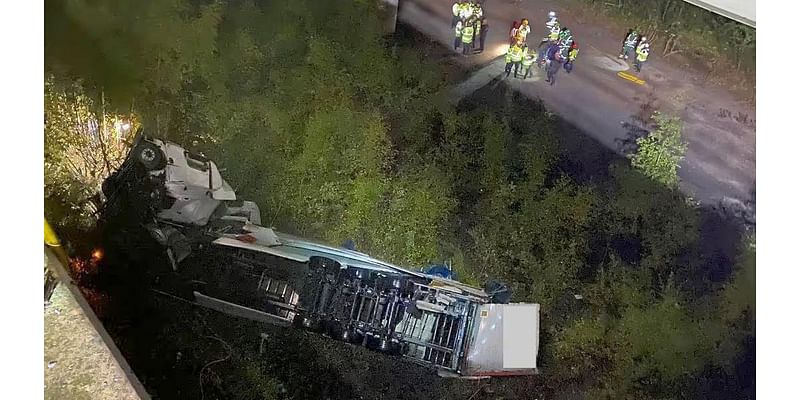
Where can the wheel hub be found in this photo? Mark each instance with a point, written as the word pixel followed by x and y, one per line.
pixel 148 155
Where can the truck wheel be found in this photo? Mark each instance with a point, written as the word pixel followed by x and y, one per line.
pixel 149 155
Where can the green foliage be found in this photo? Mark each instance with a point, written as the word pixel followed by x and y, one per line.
pixel 634 346
pixel 338 136
pixel 660 152
pixel 661 342
pixel 533 236
pixel 155 70
pixel 407 230
pixel 551 240
pixel 582 351
pixel 82 145
pixel 736 315
pixel 658 218
pixel 740 295
pixel 301 125
pixel 254 384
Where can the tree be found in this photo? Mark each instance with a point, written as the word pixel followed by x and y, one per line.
pixel 737 308
pixel 83 145
pixel 740 294
pixel 660 152
pixel 142 52
pixel 338 138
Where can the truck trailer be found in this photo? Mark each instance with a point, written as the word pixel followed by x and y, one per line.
pixel 244 269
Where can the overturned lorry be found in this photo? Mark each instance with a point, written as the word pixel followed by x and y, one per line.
pixel 239 267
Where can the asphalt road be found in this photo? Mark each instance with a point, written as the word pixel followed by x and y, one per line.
pixel 719 128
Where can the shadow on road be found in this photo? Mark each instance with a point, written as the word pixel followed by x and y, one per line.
pixel 638 126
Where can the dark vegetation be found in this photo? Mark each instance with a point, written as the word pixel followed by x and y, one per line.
pixel 340 132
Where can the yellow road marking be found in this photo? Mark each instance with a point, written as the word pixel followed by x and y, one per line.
pixel 630 77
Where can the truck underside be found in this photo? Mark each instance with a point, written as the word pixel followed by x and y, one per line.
pixel 385 311
pixel 231 264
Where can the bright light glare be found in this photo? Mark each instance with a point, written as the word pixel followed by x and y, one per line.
pixel 500 50
pixel 120 126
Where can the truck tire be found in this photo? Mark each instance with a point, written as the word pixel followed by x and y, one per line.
pixel 149 155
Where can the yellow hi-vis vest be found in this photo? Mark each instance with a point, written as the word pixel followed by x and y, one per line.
pixel 466 10
pixel 573 54
pixel 478 11
pixel 516 53
pixel 642 52
pixel 467 34
pixel 529 59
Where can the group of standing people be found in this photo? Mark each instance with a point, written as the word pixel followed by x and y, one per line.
pixel 519 56
pixel 469 25
pixel 558 48
pixel 634 42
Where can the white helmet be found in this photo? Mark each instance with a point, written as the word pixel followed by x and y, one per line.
pixel 551 14
pixel 644 39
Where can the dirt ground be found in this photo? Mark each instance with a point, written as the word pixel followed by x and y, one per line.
pixel 742 85
pixel 718 124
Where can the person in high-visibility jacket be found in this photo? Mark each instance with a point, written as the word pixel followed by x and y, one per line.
pixel 553 29
pixel 629 43
pixel 554 33
pixel 642 51
pixel 523 30
pixel 468 35
pixel 514 58
pixel 456 13
pixel 467 10
pixel 563 49
pixel 552 22
pixel 565 36
pixel 571 56
pixel 457 42
pixel 477 10
pixel 528 59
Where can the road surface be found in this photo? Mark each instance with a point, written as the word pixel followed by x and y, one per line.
pixel 719 129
